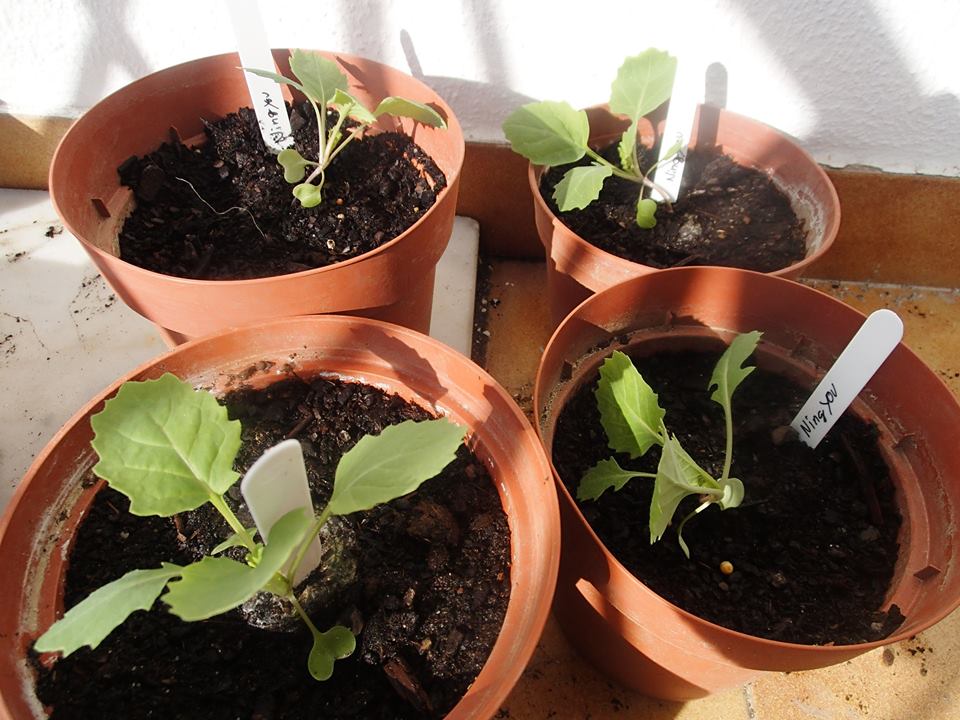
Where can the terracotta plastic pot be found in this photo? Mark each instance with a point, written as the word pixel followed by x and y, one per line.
pixel 644 641
pixel 577 268
pixel 35 532
pixel 392 283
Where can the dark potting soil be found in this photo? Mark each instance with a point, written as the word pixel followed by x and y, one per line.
pixel 428 599
pixel 727 214
pixel 814 543
pixel 222 210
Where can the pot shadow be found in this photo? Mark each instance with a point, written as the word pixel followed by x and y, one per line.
pixel 404 361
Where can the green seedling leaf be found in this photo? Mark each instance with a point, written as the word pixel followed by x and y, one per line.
pixel 629 411
pixel 276 77
pixel 646 213
pixel 728 373
pixel 308 194
pixel 671 151
pixel 294 165
pixel 91 620
pixel 548 133
pixel 215 585
pixel 604 475
pixel 165 446
pixel 334 644
pixel 628 141
pixel 401 107
pixel 580 186
pixel 732 494
pixel 677 476
pixel 347 104
pixel 643 83
pixel 382 467
pixel 232 541
pixel 320 78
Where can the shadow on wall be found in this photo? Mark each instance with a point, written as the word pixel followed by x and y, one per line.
pixel 883 93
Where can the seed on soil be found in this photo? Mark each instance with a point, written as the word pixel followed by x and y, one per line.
pixel 726 567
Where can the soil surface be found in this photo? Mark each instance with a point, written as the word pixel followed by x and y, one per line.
pixel 222 210
pixel 727 214
pixel 427 601
pixel 814 543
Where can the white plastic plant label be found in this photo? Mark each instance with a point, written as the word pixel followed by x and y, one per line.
pixel 687 93
pixel 858 362
pixel 273 486
pixel 265 96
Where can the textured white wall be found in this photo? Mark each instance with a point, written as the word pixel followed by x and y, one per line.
pixel 872 82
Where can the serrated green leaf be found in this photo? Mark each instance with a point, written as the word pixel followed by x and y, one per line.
pixel 320 78
pixel 95 617
pixel 643 83
pixel 728 373
pixel 604 475
pixel 677 476
pixel 382 467
pixel 548 133
pixel 165 446
pixel 276 77
pixel 347 104
pixel 215 585
pixel 334 644
pixel 294 165
pixel 580 186
pixel 629 411
pixel 233 541
pixel 401 107
pixel 308 194
pixel 646 213
pixel 628 141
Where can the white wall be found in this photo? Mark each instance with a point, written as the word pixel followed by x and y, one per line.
pixel 871 82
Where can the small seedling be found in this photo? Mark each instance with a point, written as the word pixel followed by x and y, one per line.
pixel 634 422
pixel 325 86
pixel 553 133
pixel 171 449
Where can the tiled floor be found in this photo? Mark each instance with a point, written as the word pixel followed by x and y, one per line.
pixel 913 680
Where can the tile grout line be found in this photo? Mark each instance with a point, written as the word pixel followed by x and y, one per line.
pixel 750 701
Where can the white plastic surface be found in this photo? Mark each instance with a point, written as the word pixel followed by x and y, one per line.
pixel 273 486
pixel 687 93
pixel 265 95
pixel 858 362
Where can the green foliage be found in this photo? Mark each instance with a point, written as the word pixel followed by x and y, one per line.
pixel 634 422
pixel 629 410
pixel 382 467
pixel 164 446
pixel 170 449
pixel 553 133
pixel 325 85
pixel 217 584
pixel 91 620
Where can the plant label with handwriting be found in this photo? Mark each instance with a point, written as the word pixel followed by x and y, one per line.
pixel 863 356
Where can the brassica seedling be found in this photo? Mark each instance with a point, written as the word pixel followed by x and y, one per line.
pixel 171 449
pixel 633 420
pixel 553 133
pixel 325 85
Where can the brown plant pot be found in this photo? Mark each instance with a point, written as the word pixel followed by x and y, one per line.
pixel 644 641
pixel 392 283
pixel 577 268
pixel 36 530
